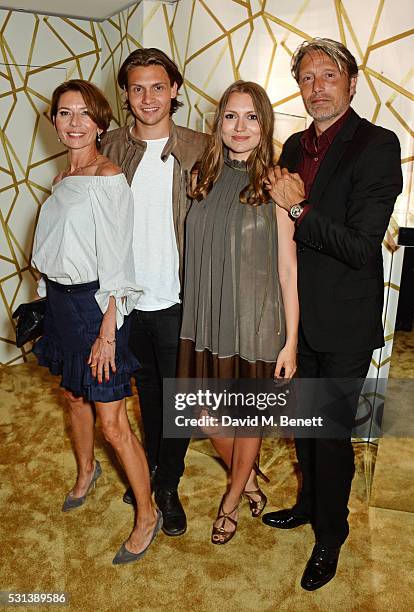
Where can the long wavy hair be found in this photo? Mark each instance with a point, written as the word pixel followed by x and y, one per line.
pixel 260 159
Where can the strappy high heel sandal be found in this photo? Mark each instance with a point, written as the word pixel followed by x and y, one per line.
pixel 220 535
pixel 259 471
pixel 257 505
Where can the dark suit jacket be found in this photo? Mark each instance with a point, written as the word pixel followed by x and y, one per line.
pixel 340 267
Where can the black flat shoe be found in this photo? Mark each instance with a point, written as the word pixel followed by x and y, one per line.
pixel 175 522
pixel 284 519
pixel 321 567
pixel 129 497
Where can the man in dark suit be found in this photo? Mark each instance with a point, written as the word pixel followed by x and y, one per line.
pixel 338 180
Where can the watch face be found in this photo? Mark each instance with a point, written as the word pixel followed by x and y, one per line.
pixel 296 211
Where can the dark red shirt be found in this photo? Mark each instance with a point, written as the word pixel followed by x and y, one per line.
pixel 314 149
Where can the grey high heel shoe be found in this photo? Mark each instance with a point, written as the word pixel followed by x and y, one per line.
pixel 124 556
pixel 70 502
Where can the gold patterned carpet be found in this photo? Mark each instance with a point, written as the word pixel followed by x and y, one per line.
pixel 43 549
pixel 402 361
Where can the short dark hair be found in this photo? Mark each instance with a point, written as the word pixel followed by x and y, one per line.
pixel 151 57
pixel 96 103
pixel 338 53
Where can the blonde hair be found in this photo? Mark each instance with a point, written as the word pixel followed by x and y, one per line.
pixel 260 159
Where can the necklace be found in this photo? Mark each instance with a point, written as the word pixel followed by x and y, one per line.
pixel 90 163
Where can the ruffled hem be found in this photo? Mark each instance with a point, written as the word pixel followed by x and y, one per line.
pixel 76 374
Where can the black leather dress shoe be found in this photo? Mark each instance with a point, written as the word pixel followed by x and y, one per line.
pixel 284 519
pixel 174 519
pixel 129 497
pixel 321 567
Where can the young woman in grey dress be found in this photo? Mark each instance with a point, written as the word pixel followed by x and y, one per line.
pixel 240 308
pixel 83 249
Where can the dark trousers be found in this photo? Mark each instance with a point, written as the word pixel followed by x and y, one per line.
pixel 327 465
pixel 154 340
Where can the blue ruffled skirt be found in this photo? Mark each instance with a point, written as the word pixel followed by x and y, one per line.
pixel 71 326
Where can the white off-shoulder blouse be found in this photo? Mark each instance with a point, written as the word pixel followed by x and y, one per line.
pixel 84 233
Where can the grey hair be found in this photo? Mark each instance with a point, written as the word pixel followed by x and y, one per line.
pixel 342 57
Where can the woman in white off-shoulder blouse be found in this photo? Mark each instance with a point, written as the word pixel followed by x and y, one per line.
pixel 83 249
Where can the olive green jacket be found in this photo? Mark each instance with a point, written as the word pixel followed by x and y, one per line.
pixel 185 145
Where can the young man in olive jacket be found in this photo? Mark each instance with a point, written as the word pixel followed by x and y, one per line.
pixel 157 157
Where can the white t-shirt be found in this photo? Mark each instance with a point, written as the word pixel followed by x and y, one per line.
pixel 154 244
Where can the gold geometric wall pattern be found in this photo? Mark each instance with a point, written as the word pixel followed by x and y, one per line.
pixel 120 35
pixel 214 42
pixel 37 53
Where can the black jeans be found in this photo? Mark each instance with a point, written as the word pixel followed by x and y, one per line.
pixel 154 340
pixel 327 465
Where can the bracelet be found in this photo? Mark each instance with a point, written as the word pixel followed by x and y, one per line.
pixel 108 341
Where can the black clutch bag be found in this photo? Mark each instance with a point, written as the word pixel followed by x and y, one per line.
pixel 29 324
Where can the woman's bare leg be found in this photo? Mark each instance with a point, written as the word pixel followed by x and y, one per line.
pixel 225 448
pixel 118 432
pixel 245 451
pixel 82 422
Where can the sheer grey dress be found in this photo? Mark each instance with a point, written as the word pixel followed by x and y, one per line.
pixel 233 317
